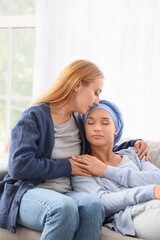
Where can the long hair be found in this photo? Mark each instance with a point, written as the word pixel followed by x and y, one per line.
pixel 60 92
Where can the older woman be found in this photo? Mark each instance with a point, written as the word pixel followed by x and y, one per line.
pixel 129 188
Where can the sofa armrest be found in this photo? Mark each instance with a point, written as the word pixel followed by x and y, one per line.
pixel 154 149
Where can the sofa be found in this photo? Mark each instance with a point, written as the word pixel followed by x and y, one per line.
pixel 106 234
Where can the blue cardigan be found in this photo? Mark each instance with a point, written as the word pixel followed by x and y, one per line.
pixel 30 163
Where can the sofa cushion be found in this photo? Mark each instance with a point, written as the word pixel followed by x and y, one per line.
pixel 28 234
pixel 22 233
pixel 154 149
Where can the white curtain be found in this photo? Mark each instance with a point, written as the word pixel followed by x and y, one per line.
pixel 122 37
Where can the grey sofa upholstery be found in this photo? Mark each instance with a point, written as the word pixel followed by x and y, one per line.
pixel 106 234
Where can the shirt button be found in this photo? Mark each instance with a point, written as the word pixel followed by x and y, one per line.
pixel 12 227
pixel 30 184
pixel 16 203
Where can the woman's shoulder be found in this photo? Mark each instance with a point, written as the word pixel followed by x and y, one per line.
pixel 37 109
pixel 36 116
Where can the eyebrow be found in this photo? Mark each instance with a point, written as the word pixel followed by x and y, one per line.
pixel 103 118
pixel 90 117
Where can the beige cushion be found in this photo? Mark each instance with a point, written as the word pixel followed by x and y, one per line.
pixel 28 234
pixel 154 149
pixel 21 234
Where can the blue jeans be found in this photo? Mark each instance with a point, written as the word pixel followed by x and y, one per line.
pixel 73 215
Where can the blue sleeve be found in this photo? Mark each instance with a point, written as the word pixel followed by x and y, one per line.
pixel 125 145
pixel 128 177
pixel 113 201
pixel 24 162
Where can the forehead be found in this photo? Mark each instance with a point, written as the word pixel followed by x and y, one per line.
pixel 98 114
pixel 97 83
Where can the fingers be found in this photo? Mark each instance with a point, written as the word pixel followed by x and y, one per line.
pixel 148 158
pixel 81 159
pixel 81 165
pixel 136 145
pixel 79 168
pixel 142 149
pixel 142 152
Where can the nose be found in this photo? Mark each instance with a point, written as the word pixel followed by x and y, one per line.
pixel 97 127
pixel 96 101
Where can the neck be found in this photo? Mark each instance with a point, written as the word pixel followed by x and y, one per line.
pixel 105 154
pixel 60 115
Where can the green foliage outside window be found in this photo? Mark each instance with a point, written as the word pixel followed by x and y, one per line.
pixel 18 64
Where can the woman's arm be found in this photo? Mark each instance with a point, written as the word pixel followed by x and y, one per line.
pixel 141 148
pixel 128 177
pixel 26 155
pixel 113 201
pixel 24 161
pixel 148 173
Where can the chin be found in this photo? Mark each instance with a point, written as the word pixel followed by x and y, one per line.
pixel 83 112
pixel 96 143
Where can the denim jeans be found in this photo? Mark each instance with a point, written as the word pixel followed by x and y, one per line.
pixel 73 215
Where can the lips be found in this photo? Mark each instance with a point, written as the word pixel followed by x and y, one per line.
pixel 97 136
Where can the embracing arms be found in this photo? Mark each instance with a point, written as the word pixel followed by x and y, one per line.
pixel 128 177
pixel 30 150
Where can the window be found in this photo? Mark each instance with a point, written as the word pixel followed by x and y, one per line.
pixel 17 45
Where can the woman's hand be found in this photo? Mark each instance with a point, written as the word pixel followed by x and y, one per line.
pixel 157 192
pixel 77 170
pixel 90 164
pixel 142 149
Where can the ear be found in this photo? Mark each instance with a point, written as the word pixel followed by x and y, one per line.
pixel 115 132
pixel 77 87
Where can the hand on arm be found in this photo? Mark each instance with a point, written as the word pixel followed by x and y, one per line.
pixel 24 161
pixel 142 149
pixel 77 170
pixel 88 164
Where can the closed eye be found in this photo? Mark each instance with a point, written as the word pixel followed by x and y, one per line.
pixel 90 122
pixel 105 123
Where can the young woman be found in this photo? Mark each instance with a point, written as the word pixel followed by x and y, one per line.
pixel 129 188
pixel 36 192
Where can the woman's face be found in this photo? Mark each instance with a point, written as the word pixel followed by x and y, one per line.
pixel 87 96
pixel 100 128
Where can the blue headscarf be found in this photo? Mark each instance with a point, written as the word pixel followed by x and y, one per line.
pixel 114 112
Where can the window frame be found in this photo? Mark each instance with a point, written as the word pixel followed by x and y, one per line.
pixel 11 22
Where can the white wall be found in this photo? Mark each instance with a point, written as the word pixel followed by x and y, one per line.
pixel 122 37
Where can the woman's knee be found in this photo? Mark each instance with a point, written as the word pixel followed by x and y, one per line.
pixel 93 207
pixel 65 210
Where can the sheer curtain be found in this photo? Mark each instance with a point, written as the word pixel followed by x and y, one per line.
pixel 122 37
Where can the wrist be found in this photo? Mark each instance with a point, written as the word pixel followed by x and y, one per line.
pixel 104 170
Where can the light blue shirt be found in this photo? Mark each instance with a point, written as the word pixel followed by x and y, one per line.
pixel 122 188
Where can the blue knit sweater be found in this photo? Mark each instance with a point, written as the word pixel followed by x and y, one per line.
pixel 30 163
